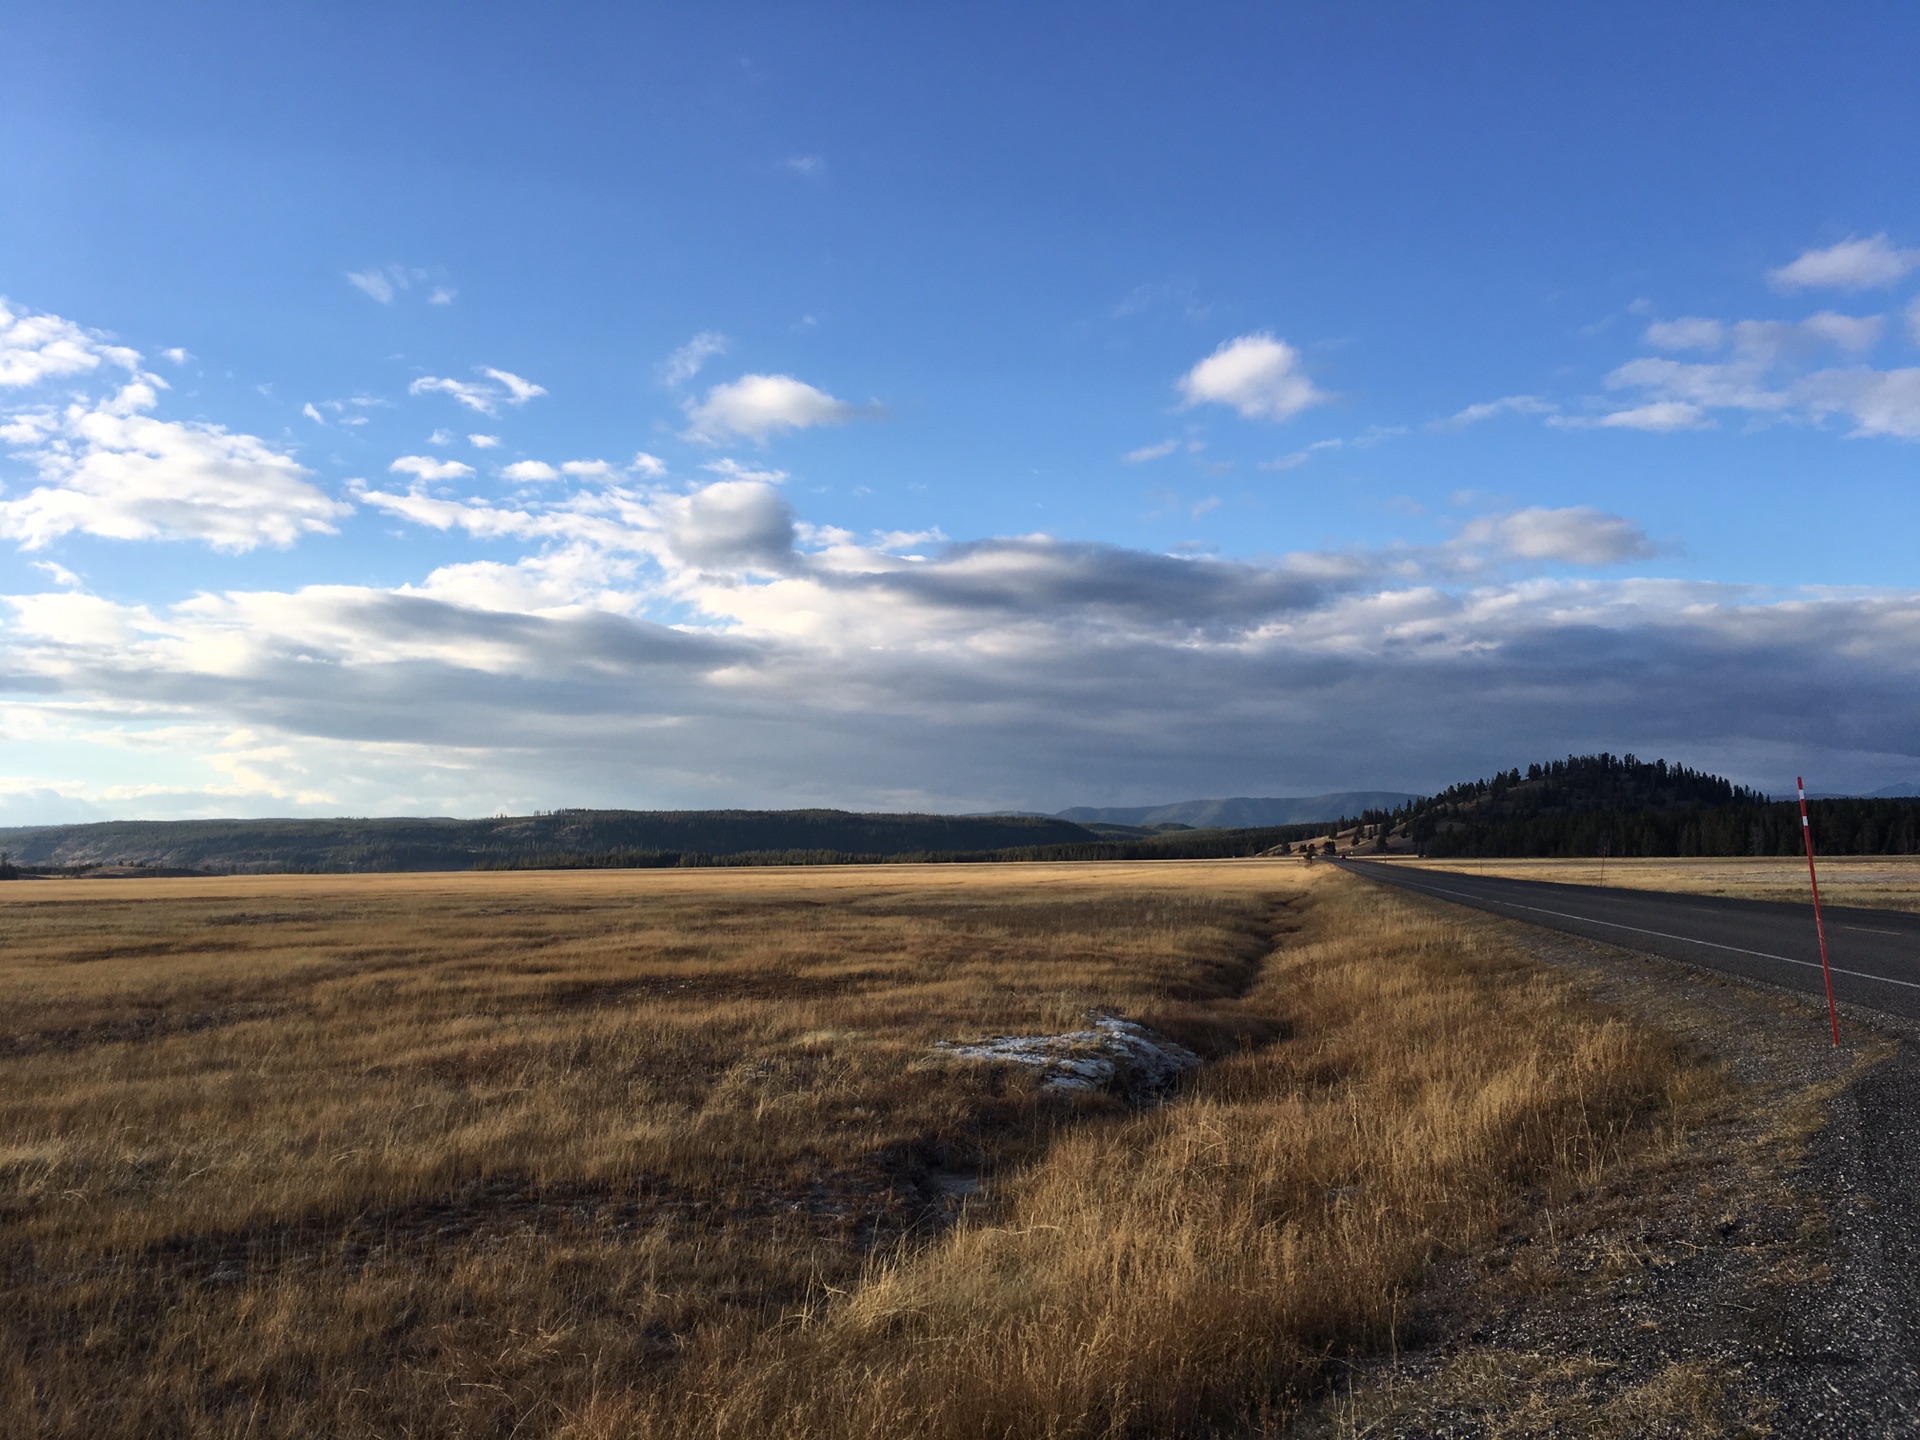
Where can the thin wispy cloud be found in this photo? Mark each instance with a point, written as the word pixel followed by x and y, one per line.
pixel 686 362
pixel 384 284
pixel 1491 409
pixel 482 399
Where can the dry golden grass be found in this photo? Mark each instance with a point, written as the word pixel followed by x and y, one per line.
pixel 659 1153
pixel 1884 882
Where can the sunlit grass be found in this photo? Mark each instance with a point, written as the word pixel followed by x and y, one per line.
pixel 670 1153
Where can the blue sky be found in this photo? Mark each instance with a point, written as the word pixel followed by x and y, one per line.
pixel 993 406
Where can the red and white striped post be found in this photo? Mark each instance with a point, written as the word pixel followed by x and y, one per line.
pixel 1819 925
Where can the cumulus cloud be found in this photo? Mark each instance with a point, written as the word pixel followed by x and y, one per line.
pixel 425 467
pixel 1020 670
pixel 626 641
pixel 731 525
pixel 484 442
pixel 111 469
pixel 1258 375
pixel 756 406
pixel 509 389
pixel 35 348
pixel 1576 535
pixel 1853 264
pixel 686 362
pixel 530 470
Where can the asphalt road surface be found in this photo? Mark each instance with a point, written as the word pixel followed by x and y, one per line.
pixel 1875 953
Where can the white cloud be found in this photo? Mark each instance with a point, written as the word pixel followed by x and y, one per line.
pixel 756 406
pixel 1258 375
pixel 731 525
pixel 109 468
pixel 1150 452
pixel 1690 332
pixel 1853 264
pixel 426 467
pixel 812 166
pixel 804 667
pixel 313 414
pixel 386 283
pixel 1769 369
pixel 519 391
pixel 34 348
pixel 1488 409
pixel 650 467
pixel 526 470
pixel 734 470
pixel 484 399
pixel 589 470
pixel 1659 415
pixel 441 436
pixel 683 364
pixel 374 284
pixel 1879 402
pixel 1576 535
pixel 1287 462
pixel 175 356
pixel 484 442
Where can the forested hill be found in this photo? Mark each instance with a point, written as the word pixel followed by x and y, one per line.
pixel 566 836
pixel 1620 805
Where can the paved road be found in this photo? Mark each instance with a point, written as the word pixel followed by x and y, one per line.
pixel 1875 953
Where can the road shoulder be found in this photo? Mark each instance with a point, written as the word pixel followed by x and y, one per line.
pixel 1756 1278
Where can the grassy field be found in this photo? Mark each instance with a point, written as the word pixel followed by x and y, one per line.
pixel 1884 882
pixel 669 1153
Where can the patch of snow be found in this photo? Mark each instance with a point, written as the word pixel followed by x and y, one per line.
pixel 1115 1054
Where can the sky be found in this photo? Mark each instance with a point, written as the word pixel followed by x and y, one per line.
pixel 478 408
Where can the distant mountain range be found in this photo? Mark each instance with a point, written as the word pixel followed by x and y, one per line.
pixel 1907 789
pixel 1241 812
pixel 631 837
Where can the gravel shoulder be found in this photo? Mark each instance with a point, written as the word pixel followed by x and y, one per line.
pixel 1756 1277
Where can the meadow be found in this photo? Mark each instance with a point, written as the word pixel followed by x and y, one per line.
pixel 1881 882
pixel 672 1153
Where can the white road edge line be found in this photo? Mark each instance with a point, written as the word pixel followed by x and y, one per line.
pixel 1661 934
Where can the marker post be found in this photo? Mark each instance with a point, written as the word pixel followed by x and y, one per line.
pixel 1819 925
